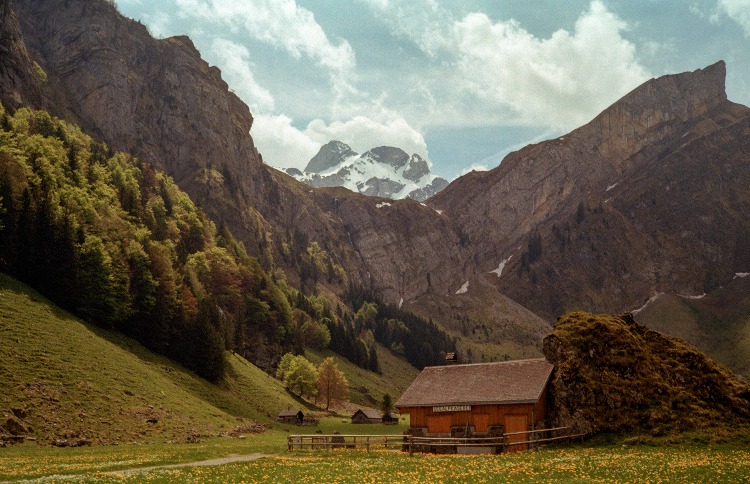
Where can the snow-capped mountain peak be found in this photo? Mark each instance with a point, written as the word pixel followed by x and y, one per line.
pixel 384 172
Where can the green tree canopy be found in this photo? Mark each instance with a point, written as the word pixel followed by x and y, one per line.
pixel 298 373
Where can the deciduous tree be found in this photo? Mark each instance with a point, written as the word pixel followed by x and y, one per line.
pixel 298 373
pixel 332 384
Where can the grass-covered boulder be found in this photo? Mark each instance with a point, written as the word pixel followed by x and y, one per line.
pixel 613 374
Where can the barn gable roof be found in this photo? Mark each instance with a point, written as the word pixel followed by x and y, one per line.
pixel 289 413
pixel 520 381
pixel 369 413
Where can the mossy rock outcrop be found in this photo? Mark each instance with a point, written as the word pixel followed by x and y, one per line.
pixel 613 374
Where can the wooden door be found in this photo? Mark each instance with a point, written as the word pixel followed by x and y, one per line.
pixel 481 421
pixel 516 423
pixel 439 424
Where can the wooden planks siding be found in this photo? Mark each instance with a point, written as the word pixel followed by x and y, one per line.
pixel 480 416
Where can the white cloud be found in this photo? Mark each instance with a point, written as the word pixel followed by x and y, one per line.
pixel 363 133
pixel 235 62
pixel 159 24
pixel 425 22
pixel 486 73
pixel 282 24
pixel 474 167
pixel 739 11
pixel 281 144
pixel 560 82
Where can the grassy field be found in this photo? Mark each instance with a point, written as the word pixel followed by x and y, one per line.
pixel 693 463
pixel 65 379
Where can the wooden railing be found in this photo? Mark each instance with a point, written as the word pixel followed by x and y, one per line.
pixel 412 442
pixel 536 437
pixel 337 441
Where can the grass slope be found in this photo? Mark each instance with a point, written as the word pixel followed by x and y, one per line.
pixel 718 323
pixel 366 388
pixel 65 379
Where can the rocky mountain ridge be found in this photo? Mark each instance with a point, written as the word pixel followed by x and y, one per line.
pixel 385 171
pixel 649 197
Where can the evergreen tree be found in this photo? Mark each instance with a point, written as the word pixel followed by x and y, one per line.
pixel 95 294
pixel 386 406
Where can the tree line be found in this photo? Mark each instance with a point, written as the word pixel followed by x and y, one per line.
pixel 419 340
pixel 118 244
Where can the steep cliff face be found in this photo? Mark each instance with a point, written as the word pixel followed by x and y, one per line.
pixel 549 179
pixel 677 224
pixel 156 99
pixel 19 79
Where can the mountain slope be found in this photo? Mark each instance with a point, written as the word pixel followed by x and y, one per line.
pixel 64 379
pixel 381 172
pixel 677 224
pixel 613 374
pixel 540 228
pixel 719 321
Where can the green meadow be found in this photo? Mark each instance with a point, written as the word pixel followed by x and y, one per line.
pixel 612 463
pixel 70 380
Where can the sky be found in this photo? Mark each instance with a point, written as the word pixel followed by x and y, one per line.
pixel 461 83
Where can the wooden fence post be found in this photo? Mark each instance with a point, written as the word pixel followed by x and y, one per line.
pixel 411 445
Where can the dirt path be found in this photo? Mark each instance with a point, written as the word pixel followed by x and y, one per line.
pixel 212 462
pixel 126 472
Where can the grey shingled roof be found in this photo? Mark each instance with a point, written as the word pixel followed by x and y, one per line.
pixel 369 413
pixel 520 381
pixel 289 413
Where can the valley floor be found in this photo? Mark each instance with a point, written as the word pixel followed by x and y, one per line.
pixel 609 462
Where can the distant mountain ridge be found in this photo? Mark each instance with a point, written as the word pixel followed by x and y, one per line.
pixel 381 172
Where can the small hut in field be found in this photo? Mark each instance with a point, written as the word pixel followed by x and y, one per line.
pixel 292 417
pixel 366 415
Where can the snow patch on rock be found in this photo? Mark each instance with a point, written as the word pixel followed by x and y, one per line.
pixel 499 270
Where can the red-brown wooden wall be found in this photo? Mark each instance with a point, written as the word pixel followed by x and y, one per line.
pixel 495 415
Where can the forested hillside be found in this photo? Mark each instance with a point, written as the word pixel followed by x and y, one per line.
pixel 118 244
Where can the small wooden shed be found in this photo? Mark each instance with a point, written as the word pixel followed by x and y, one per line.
pixel 485 398
pixel 293 417
pixel 367 415
pixel 392 418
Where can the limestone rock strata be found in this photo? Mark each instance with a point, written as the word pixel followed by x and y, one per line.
pixel 551 178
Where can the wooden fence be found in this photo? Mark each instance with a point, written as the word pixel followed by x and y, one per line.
pixel 337 441
pixel 412 443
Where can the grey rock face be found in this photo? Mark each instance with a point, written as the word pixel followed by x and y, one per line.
pixel 330 155
pixel 387 155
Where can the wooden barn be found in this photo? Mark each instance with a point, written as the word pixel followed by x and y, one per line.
pixel 487 399
pixel 366 415
pixel 294 417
